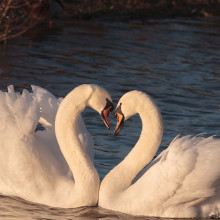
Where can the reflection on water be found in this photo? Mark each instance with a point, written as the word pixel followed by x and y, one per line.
pixel 175 61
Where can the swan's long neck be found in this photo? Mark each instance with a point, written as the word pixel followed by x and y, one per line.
pixel 121 176
pixel 66 126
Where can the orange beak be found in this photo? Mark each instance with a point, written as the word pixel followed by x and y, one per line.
pixel 120 123
pixel 105 116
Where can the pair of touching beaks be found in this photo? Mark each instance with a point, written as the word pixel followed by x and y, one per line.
pixel 118 113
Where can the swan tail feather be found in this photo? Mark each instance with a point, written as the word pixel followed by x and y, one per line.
pixel 187 160
pixel 48 104
pixel 19 112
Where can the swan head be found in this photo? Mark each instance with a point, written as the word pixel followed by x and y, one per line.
pixel 101 101
pixel 130 103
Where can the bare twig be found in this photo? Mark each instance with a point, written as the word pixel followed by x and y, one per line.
pixel 16 16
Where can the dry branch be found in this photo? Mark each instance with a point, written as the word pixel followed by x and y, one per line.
pixel 18 16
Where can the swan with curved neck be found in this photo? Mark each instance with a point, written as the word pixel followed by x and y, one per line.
pixel 37 168
pixel 183 181
pixel 86 178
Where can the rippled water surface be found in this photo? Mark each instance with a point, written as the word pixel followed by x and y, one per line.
pixel 176 61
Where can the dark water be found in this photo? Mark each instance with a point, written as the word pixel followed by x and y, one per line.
pixel 177 62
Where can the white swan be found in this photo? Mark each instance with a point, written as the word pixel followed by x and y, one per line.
pixel 31 163
pixel 183 181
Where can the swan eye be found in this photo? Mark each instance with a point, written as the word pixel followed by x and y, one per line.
pixel 109 105
pixel 118 110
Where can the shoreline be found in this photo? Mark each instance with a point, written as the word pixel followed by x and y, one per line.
pixel 16 19
pixel 141 9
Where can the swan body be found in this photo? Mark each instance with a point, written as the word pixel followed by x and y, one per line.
pixel 183 181
pixel 51 166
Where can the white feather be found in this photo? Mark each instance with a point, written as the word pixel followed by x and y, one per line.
pixel 183 181
pixel 32 165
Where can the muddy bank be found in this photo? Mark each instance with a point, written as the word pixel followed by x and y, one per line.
pixel 18 16
pixel 141 9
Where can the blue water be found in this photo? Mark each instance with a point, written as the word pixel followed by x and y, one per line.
pixel 177 62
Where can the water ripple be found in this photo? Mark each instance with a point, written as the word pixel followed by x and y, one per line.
pixel 175 61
